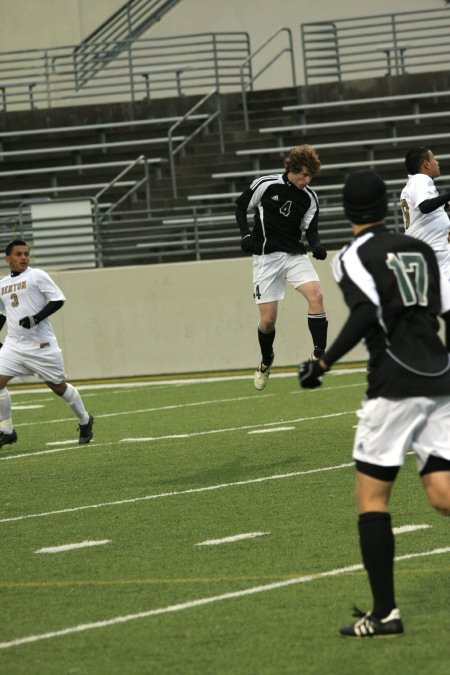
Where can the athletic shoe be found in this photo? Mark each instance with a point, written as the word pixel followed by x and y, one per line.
pixel 262 374
pixel 369 626
pixel 6 439
pixel 86 431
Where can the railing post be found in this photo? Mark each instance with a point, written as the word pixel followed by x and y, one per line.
pixel 47 79
pixel 98 234
pixel 396 47
pixel 196 237
pixel 173 174
pixel 291 51
pixel 147 185
pixel 244 100
pixel 220 116
pixel 130 69
pixel 216 62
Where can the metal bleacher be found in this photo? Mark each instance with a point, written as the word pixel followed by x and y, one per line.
pixel 164 184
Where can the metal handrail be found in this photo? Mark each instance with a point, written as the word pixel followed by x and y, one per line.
pixel 174 150
pixel 133 189
pixel 165 66
pixel 253 77
pixel 127 23
pixel 382 44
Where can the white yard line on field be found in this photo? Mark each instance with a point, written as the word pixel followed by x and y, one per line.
pixel 26 407
pixel 253 397
pixel 162 408
pixel 71 547
pixel 233 538
pixel 190 604
pixel 75 445
pixel 162 495
pixel 268 431
pixel 187 380
pixel 241 428
pixel 409 528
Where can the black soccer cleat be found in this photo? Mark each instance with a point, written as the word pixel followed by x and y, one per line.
pixel 86 433
pixel 6 439
pixel 369 626
pixel 316 354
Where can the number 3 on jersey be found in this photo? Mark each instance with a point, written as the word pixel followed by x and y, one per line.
pixel 411 272
pixel 405 212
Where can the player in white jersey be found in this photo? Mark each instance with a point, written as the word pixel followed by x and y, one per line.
pixel 423 207
pixel 28 297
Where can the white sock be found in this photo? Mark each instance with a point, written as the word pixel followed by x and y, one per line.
pixel 73 399
pixel 6 424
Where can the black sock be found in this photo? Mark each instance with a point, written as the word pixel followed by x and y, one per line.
pixel 377 547
pixel 318 327
pixel 266 344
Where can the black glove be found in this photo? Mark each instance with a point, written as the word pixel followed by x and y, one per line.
pixel 319 252
pixel 28 322
pixel 247 244
pixel 309 374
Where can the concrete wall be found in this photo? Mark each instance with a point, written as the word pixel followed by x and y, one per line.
pixel 30 24
pixel 181 317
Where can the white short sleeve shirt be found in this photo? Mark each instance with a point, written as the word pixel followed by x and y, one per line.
pixel 25 295
pixel 430 227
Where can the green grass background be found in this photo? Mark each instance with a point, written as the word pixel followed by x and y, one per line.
pixel 152 560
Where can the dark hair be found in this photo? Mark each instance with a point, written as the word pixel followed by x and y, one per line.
pixel 414 158
pixel 15 242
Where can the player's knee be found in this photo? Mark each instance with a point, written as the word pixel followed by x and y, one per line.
pixel 267 323
pixel 315 299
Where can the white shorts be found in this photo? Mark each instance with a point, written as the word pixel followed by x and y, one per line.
pixel 271 271
pixel 443 258
pixel 388 428
pixel 46 362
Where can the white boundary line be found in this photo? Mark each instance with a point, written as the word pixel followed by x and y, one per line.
pixel 149 410
pixel 76 446
pixel 72 547
pixel 181 380
pixel 241 428
pixel 253 397
pixel 203 601
pixel 232 538
pixel 177 493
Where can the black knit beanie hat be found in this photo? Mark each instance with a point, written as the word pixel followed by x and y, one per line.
pixel 364 197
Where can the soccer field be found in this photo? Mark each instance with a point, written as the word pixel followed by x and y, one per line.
pixel 208 528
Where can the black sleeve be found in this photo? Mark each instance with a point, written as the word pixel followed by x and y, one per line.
pixel 49 309
pixel 359 321
pixel 446 318
pixel 430 205
pixel 2 320
pixel 242 203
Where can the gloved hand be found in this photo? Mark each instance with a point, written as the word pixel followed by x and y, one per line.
pixel 319 252
pixel 247 244
pixel 28 322
pixel 309 374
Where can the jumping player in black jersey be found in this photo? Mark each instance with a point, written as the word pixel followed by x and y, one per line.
pixel 395 291
pixel 284 207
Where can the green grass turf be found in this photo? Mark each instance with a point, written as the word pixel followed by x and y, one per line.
pixel 149 498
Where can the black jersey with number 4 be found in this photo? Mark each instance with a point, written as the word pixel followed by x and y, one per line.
pixel 400 276
pixel 282 212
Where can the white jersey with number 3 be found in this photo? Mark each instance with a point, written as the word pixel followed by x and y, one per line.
pixel 430 227
pixel 25 295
